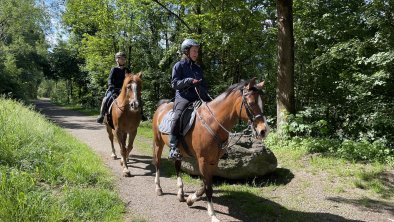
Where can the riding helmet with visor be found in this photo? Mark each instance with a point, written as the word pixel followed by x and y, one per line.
pixel 187 44
pixel 120 55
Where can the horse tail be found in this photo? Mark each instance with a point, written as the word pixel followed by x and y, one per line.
pixel 162 101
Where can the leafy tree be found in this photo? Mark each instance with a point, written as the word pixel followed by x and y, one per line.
pixel 344 70
pixel 65 66
pixel 22 47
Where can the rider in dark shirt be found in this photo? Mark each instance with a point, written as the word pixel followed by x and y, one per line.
pixel 115 83
pixel 187 77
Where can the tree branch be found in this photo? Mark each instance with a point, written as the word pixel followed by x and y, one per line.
pixel 177 16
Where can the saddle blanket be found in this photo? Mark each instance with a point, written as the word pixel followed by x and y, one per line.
pixel 108 116
pixel 186 121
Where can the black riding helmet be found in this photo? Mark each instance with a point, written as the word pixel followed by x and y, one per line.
pixel 187 44
pixel 120 54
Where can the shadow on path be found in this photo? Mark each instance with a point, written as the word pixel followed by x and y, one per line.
pixel 56 114
pixel 248 207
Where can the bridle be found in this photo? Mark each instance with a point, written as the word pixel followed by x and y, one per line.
pixel 251 116
pixel 249 111
pixel 134 91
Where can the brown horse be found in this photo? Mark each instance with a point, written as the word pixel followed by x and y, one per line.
pixel 209 134
pixel 126 117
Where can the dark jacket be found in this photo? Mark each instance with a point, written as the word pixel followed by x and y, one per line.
pixel 183 74
pixel 116 78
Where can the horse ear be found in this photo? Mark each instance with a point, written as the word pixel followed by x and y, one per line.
pixel 128 74
pixel 260 85
pixel 251 83
pixel 139 75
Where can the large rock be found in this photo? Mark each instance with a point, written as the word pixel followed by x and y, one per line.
pixel 247 158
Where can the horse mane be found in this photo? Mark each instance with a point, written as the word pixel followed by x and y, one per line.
pixel 235 87
pixel 126 80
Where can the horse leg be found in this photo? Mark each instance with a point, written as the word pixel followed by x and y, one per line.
pixel 181 194
pixel 209 192
pixel 131 142
pixel 157 151
pixel 206 170
pixel 123 162
pixel 196 196
pixel 111 138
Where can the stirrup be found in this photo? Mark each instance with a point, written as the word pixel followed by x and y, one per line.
pixel 175 154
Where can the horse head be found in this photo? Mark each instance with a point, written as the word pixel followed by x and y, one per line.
pixel 132 86
pixel 253 104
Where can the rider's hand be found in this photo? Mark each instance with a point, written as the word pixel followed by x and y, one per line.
pixel 196 81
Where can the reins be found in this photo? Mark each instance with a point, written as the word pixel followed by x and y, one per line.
pixel 225 144
pixel 119 107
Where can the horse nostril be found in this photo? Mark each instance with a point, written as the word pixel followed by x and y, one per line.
pixel 134 105
pixel 262 133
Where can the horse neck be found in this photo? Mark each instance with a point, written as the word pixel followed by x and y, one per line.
pixel 225 110
pixel 122 98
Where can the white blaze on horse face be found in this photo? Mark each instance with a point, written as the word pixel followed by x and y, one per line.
pixel 134 103
pixel 261 107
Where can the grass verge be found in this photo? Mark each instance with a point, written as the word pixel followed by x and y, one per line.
pixel 47 175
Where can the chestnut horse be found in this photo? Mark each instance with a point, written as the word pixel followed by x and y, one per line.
pixel 126 117
pixel 209 133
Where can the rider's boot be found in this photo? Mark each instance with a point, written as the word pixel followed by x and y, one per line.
pixel 175 154
pixel 100 118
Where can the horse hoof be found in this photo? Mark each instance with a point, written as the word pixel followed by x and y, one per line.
pixel 181 198
pixel 159 192
pixel 215 219
pixel 189 201
pixel 126 174
pixel 114 156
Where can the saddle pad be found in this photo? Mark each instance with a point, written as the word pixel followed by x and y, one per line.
pixel 186 121
pixel 109 116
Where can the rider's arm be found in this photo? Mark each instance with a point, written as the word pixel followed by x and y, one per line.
pixel 111 79
pixel 177 80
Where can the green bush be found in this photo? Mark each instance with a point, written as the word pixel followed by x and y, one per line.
pixel 362 150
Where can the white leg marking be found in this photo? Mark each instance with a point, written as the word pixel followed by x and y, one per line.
pixel 211 213
pixel 179 183
pixel 194 198
pixel 157 179
pixel 180 186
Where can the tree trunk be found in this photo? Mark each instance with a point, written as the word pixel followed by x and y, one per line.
pixel 285 78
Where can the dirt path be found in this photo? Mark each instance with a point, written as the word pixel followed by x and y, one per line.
pixel 138 191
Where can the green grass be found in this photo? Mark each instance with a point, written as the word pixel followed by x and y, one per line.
pixel 47 175
pixel 350 174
